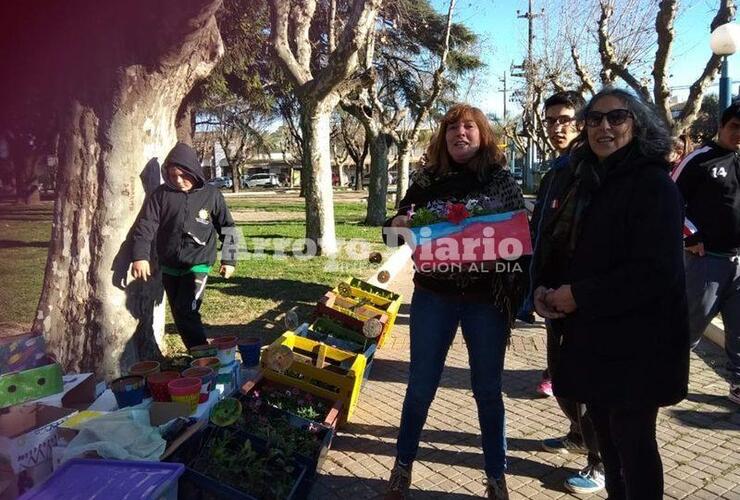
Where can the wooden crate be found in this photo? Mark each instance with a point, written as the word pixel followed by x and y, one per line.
pixel 335 335
pixel 355 315
pixel 322 370
pixel 379 298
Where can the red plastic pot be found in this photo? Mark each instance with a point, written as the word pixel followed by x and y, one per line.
pixel 157 383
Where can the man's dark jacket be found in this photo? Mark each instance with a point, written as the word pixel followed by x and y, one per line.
pixel 186 225
pixel 628 341
pixel 553 187
pixel 709 180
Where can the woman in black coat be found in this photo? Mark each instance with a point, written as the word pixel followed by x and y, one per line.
pixel 612 278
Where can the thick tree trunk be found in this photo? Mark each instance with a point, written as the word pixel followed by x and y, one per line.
pixel 378 187
pixel 119 120
pixel 185 118
pixel 27 185
pixel 404 169
pixel 316 173
pixel 185 123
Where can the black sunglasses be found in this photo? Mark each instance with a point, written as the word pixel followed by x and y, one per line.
pixel 614 117
pixel 560 120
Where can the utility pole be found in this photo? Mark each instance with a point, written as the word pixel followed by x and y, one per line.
pixel 510 161
pixel 527 72
pixel 503 80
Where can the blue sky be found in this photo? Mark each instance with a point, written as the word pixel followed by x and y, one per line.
pixel 496 21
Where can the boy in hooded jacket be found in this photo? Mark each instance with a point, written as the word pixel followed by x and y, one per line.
pixel 185 216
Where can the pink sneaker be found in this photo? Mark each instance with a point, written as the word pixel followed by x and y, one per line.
pixel 545 387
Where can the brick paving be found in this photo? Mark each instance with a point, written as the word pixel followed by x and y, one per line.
pixel 699 438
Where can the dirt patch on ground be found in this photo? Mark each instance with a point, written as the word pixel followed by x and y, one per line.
pixel 252 215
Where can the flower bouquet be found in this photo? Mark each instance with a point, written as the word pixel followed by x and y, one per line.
pixel 448 235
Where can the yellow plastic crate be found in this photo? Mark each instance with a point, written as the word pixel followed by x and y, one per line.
pixel 320 369
pixel 384 300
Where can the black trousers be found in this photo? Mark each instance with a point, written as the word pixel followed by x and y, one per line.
pixel 185 295
pixel 632 464
pixel 581 428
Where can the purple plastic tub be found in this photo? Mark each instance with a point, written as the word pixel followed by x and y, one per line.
pixel 80 479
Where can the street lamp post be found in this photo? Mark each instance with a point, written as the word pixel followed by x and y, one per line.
pixel 724 42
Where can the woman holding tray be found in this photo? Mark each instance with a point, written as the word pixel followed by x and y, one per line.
pixel 464 167
pixel 613 279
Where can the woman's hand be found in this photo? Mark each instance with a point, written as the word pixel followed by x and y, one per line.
pixel 541 306
pixel 561 300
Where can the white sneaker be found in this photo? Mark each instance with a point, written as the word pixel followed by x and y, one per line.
pixel 734 393
pixel 589 480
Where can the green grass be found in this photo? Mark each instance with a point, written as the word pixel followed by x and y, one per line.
pixel 253 301
pixel 23 247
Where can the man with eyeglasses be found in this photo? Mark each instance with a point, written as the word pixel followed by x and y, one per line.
pixel 709 180
pixel 563 128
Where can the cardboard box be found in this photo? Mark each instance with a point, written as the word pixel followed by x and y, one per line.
pixel 22 352
pixel 19 387
pixel 78 392
pixel 27 435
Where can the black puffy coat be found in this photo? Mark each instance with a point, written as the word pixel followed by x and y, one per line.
pixel 628 341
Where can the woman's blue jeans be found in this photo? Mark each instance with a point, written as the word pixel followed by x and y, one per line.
pixel 434 320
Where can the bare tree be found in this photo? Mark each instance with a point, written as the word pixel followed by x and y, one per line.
pixel 120 99
pixel 356 144
pixel 319 88
pixel 664 33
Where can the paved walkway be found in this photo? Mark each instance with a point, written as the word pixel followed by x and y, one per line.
pixel 699 438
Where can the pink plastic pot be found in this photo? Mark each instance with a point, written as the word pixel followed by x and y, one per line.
pixel 207 377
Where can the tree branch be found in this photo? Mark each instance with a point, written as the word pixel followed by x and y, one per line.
pixel 343 61
pixel 609 58
pixel 587 83
pixel 664 28
pixel 725 14
pixel 280 41
pixel 302 13
pixel 332 25
pixel 436 79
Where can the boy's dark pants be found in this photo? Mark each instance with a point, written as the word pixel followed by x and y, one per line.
pixel 581 427
pixel 185 295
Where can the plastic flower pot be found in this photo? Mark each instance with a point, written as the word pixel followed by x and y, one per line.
pixel 144 368
pixel 157 383
pixel 185 390
pixel 211 362
pixel 249 349
pixel 207 378
pixel 128 390
pixel 203 351
pixel 226 349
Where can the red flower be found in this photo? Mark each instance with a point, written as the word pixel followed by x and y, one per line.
pixel 456 212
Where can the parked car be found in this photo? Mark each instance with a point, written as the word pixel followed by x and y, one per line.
pixel 262 180
pixel 221 182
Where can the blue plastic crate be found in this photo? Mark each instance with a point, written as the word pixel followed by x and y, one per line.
pixel 81 479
